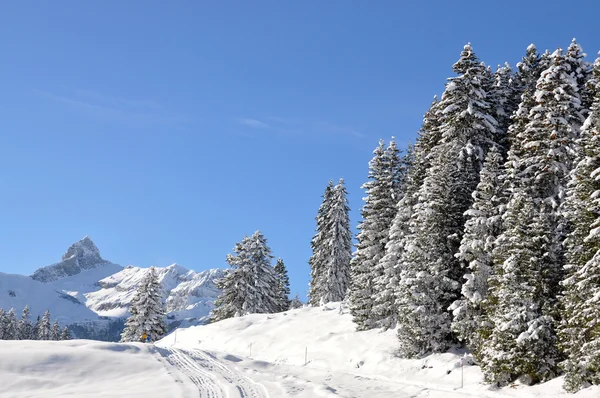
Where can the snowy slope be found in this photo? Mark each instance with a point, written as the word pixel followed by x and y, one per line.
pixel 278 344
pixel 82 368
pixel 17 291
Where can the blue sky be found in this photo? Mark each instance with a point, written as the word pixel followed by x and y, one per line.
pixel 168 130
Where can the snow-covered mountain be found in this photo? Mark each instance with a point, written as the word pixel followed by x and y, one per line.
pixel 92 294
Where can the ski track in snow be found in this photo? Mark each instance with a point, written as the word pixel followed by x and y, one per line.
pixel 204 371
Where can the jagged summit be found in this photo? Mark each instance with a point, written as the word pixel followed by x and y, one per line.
pixel 80 256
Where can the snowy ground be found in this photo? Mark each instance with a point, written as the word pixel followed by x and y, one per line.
pixel 256 356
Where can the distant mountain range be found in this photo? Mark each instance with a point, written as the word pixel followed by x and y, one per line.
pixel 92 295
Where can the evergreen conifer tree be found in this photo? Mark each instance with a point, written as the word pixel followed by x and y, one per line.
pixel 2 323
pixel 147 313
pixel 55 331
pixel 523 298
pixel 417 162
pixel 283 283
pixel 44 328
pixel 579 331
pixel 25 326
pixel 11 327
pixel 481 230
pixel 430 278
pixel 296 303
pixel 251 286
pixel 318 260
pixel 581 71
pixel 65 335
pixel 383 194
pixel 339 242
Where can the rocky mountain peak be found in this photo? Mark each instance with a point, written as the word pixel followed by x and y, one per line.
pixel 80 256
pixel 85 248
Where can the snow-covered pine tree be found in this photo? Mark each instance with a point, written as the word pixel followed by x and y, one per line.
pixel 11 326
pixel 296 303
pixel 25 326
pixel 339 242
pixel 579 331
pixel 504 97
pixel 522 343
pixel 481 230
pixel 2 323
pixel 36 328
pixel 44 329
pixel 55 331
pixel 378 212
pixel 251 286
pixel 65 335
pixel 523 298
pixel 320 251
pixel 417 162
pixel 581 71
pixel 430 278
pixel 147 312
pixel 284 284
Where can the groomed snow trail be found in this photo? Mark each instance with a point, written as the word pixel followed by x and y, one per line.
pixel 212 378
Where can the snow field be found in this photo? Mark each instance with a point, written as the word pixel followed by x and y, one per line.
pixel 271 349
pixel 83 368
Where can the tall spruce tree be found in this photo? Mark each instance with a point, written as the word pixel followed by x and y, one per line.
pixel 11 326
pixel 65 334
pixel 481 230
pixel 44 328
pixel 2 323
pixel 378 212
pixel 522 343
pixel 251 286
pixel 25 326
pixel 417 162
pixel 320 251
pixel 55 331
pixel 283 284
pixel 147 312
pixel 522 333
pixel 579 331
pixel 431 279
pixel 339 242
pixel 581 71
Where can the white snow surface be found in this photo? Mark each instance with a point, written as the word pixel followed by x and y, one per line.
pixel 83 368
pixel 270 349
pixel 255 356
pixel 17 291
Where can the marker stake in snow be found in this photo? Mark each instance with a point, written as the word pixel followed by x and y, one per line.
pixel 305 355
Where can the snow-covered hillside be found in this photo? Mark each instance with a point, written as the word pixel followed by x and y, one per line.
pixel 362 364
pixel 92 294
pixel 17 291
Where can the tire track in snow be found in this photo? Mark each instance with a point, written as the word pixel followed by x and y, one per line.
pixel 207 387
pixel 245 386
pixel 203 370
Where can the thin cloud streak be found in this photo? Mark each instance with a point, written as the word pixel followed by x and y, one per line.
pixel 116 109
pixel 254 123
pixel 284 126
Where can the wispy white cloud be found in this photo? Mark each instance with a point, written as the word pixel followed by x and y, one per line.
pixel 254 123
pixel 287 126
pixel 134 111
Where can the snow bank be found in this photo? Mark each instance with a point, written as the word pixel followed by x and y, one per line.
pixel 326 338
pixel 82 368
